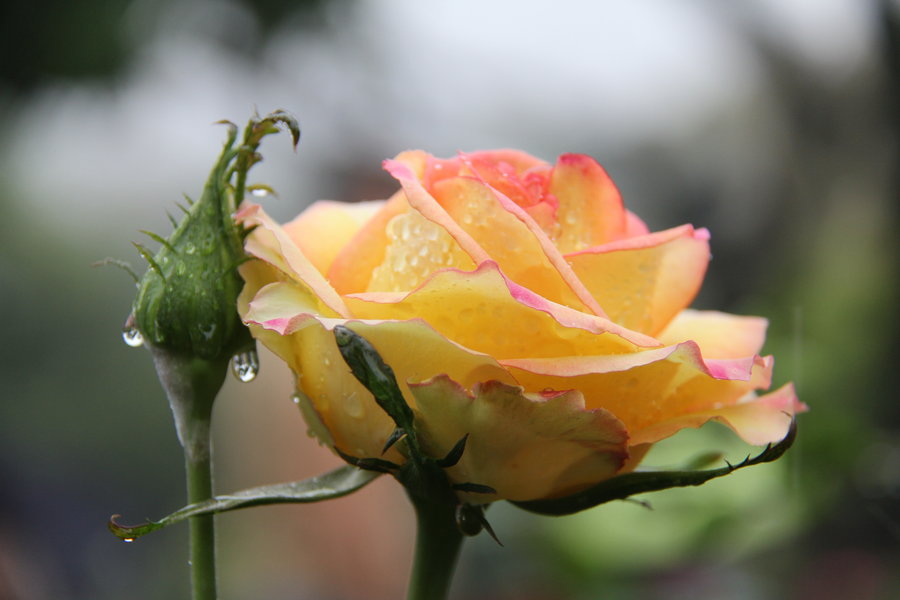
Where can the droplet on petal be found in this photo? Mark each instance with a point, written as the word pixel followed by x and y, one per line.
pixel 245 366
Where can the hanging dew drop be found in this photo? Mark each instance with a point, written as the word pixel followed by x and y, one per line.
pixel 127 540
pixel 133 337
pixel 245 366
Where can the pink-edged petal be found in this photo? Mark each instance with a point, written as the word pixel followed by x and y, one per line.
pixel 486 226
pixel 485 311
pixel 323 229
pixel 634 225
pixel 719 335
pixel 758 420
pixel 525 446
pixel 590 208
pixel 643 282
pixel 278 317
pixel 269 243
pixel 648 387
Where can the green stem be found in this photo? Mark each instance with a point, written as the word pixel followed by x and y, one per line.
pixel 438 542
pixel 191 385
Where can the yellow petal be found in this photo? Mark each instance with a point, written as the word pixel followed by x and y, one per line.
pixel 323 229
pixel 269 243
pixel 718 334
pixel 525 446
pixel 279 316
pixel 648 387
pixel 759 420
pixel 486 312
pixel 643 282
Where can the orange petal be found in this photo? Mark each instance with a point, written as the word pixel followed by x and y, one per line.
pixel 643 282
pixel 649 387
pixel 352 267
pixel 323 229
pixel 486 312
pixel 718 334
pixel 525 446
pixel 269 243
pixel 590 208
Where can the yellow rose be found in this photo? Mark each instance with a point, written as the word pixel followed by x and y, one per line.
pixel 517 302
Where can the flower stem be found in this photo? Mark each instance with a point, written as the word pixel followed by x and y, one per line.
pixel 438 542
pixel 202 529
pixel 191 385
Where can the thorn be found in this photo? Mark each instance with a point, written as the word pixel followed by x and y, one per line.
pixel 455 453
pixel 368 464
pixel 643 503
pixel 117 263
pixel 475 488
pixel 188 199
pixel 182 207
pixel 488 528
pixel 158 238
pixel 150 260
pixel 172 220
pixel 395 437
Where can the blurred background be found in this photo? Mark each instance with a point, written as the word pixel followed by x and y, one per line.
pixel 775 124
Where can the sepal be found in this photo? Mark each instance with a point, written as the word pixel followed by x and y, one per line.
pixel 624 486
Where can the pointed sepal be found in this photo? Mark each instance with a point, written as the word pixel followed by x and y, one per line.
pixel 629 484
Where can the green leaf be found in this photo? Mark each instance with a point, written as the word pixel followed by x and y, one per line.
pixel 623 486
pixel 334 484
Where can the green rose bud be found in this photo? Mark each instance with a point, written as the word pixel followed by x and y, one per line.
pixel 186 301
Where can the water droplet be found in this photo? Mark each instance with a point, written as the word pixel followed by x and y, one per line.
pixel 128 540
pixel 190 248
pixel 295 399
pixel 353 405
pixel 245 366
pixel 326 361
pixel 133 337
pixel 259 192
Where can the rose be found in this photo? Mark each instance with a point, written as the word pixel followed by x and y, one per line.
pixel 518 303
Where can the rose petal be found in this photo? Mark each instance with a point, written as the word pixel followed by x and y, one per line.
pixel 643 282
pixel 357 424
pixel 718 334
pixel 487 227
pixel 352 267
pixel 269 243
pixel 325 227
pixel 648 387
pixel 525 446
pixel 758 420
pixel 472 308
pixel 590 208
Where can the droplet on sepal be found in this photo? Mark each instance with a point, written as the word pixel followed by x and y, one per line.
pixel 128 540
pixel 245 366
pixel 133 337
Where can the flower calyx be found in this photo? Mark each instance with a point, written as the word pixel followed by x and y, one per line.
pixel 186 301
pixel 423 476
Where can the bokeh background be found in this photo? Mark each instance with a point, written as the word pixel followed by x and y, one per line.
pixel 774 123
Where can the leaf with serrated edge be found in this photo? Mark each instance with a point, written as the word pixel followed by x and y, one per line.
pixel 334 484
